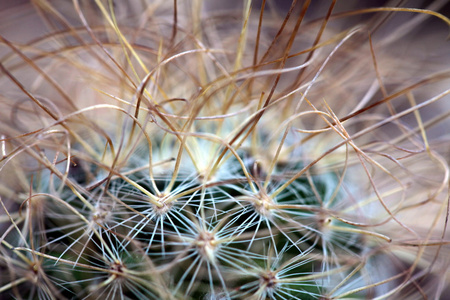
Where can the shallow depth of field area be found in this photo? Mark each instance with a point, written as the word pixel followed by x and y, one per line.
pixel 210 150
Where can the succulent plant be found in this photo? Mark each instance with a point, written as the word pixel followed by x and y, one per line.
pixel 189 150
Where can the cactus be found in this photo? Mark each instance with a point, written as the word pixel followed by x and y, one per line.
pixel 178 150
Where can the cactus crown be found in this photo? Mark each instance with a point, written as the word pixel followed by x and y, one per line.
pixel 168 151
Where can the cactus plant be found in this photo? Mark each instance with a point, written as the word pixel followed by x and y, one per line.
pixel 178 150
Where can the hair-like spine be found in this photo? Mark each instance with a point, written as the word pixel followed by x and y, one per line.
pixel 194 150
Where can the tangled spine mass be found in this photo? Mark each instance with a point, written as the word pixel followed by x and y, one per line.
pixel 154 150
